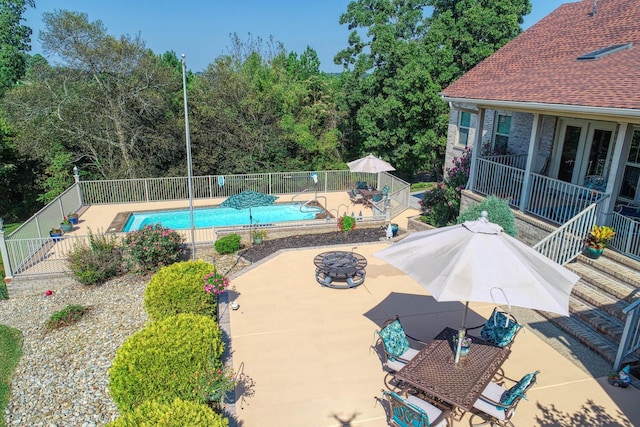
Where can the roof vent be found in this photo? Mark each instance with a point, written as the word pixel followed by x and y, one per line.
pixel 604 51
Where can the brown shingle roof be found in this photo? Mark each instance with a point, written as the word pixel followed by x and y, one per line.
pixel 540 65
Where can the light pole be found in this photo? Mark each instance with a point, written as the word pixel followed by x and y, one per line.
pixel 188 138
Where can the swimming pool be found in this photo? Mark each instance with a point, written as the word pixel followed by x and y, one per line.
pixel 219 216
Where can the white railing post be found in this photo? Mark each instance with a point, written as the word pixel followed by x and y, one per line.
pixel 477 147
pixel 5 256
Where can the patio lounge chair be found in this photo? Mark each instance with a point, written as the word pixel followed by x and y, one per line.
pixel 395 344
pixel 497 405
pixel 500 329
pixel 414 412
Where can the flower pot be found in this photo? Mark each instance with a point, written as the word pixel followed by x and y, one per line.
pixel 66 227
pixel 592 253
pixel 394 229
pixel 55 236
pixel 73 219
pixel 257 240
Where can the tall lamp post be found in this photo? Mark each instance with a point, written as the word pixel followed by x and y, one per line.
pixel 188 138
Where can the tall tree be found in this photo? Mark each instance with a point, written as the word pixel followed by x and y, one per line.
pixel 109 106
pixel 15 40
pixel 395 72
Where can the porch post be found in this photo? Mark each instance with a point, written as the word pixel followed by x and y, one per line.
pixel 618 159
pixel 533 147
pixel 8 273
pixel 477 146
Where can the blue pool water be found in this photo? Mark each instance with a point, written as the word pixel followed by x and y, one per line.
pixel 219 216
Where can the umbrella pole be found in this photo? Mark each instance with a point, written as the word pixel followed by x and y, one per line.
pixel 461 332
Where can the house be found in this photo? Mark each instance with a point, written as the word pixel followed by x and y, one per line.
pixel 556 116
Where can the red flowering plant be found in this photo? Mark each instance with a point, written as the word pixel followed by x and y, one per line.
pixel 216 283
pixel 213 383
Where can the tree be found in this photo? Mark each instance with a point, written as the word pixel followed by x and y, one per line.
pixel 15 41
pixel 394 75
pixel 113 105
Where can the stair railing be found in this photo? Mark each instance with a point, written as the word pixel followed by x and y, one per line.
pixel 630 341
pixel 567 241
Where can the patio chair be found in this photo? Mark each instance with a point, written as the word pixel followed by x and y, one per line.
pixel 414 412
pixel 496 404
pixel 355 197
pixel 395 344
pixel 631 210
pixel 500 329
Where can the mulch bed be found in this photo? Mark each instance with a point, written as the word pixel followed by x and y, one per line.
pixel 267 247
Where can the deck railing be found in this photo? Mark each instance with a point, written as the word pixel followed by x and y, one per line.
pixel 627 237
pixel 630 340
pixel 504 181
pixel 518 161
pixel 566 242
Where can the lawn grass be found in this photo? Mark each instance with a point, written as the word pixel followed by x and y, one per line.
pixel 422 186
pixel 10 352
pixel 8 228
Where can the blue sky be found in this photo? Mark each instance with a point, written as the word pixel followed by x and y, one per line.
pixel 200 28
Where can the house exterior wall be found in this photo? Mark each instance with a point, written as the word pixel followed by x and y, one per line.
pixel 519 134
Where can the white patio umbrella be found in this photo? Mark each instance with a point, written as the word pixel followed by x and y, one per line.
pixel 371 164
pixel 466 262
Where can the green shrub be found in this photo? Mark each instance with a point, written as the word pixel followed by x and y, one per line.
pixel 152 247
pixel 228 244
pixel 67 316
pixel 499 213
pixel 179 413
pixel 98 261
pixel 179 288
pixel 161 361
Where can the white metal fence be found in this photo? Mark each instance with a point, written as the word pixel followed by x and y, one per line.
pixel 30 251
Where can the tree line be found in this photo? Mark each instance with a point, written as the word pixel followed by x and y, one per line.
pixel 114 108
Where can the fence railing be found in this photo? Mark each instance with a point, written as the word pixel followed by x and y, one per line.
pixel 630 340
pixel 27 245
pixel 513 160
pixel 627 237
pixel 501 180
pixel 566 242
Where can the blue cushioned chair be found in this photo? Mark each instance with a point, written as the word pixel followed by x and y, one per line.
pixel 414 412
pixel 496 404
pixel 395 344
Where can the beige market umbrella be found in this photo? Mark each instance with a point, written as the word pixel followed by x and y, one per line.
pixel 467 262
pixel 370 164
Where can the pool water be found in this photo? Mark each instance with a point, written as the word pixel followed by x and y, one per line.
pixel 219 216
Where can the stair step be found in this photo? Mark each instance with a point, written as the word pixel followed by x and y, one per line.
pixel 584 333
pixel 603 301
pixel 597 319
pixel 615 265
pixel 616 287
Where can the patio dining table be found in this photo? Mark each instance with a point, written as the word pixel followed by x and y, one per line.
pixel 434 372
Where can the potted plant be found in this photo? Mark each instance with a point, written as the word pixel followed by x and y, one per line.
pixel 465 346
pixel 73 218
pixel 597 240
pixel 66 225
pixel 55 233
pixel 259 236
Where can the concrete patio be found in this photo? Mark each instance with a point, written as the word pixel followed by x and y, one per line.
pixel 305 352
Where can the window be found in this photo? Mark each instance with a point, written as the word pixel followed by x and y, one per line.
pixel 464 124
pixel 629 188
pixel 501 133
pixel 604 51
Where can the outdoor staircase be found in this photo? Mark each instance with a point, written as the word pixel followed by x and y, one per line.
pixel 607 285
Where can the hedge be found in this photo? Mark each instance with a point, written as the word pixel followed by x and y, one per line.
pixel 178 288
pixel 161 361
pixel 179 413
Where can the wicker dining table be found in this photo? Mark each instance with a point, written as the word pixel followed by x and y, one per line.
pixel 434 372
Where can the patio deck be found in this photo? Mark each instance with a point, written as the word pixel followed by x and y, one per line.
pixel 305 350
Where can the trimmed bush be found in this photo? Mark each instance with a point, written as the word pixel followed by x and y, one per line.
pixel 98 261
pixel 228 244
pixel 499 213
pixel 152 247
pixel 179 413
pixel 161 361
pixel 179 288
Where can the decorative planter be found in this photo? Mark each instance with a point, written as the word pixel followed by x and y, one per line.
pixel 73 219
pixel 394 229
pixel 55 236
pixel 66 227
pixel 592 253
pixel 257 240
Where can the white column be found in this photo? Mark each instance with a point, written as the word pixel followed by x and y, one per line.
pixel 477 146
pixel 616 172
pixel 531 157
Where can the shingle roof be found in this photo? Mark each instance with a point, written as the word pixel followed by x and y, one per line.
pixel 540 64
